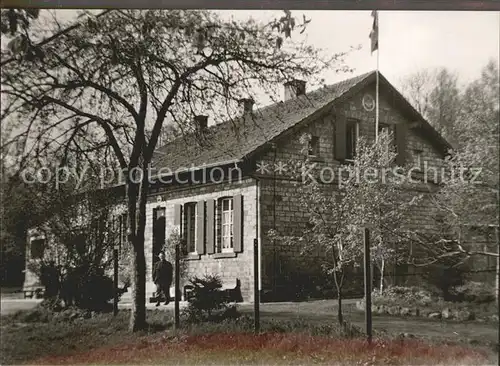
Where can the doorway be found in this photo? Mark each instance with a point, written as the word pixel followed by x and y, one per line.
pixel 158 233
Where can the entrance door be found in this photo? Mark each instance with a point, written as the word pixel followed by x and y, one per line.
pixel 158 233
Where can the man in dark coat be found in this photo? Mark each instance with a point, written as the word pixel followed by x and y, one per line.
pixel 162 277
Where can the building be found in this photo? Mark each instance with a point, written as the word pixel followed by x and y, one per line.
pixel 223 196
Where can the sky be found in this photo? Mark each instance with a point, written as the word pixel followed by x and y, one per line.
pixel 408 40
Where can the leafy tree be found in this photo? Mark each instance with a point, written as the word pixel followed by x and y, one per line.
pixel 111 80
pixel 81 231
pixel 371 195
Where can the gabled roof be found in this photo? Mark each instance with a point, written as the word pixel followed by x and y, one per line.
pixel 236 140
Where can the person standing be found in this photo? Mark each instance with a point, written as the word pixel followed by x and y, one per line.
pixel 162 277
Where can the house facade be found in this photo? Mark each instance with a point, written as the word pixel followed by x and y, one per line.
pixel 229 189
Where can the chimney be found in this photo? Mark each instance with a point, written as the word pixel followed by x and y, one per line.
pixel 247 105
pixel 294 89
pixel 201 123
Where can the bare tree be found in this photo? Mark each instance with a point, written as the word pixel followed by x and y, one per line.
pixel 109 81
pixel 436 95
pixel 468 195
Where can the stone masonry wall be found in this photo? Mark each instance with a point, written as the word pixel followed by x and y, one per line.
pixel 280 207
pixel 229 269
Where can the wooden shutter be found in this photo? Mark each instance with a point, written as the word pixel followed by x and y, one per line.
pixel 200 227
pixel 178 217
pixel 237 223
pixel 210 226
pixel 401 136
pixel 340 136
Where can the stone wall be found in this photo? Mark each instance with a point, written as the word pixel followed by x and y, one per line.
pixel 280 207
pixel 229 266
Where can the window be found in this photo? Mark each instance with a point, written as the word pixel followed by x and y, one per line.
pixel 190 226
pixel 417 158
pixel 159 227
pixel 313 149
pixel 37 248
pixel 352 131
pixel 225 214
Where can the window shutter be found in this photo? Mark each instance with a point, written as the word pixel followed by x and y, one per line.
pixel 340 136
pixel 178 217
pixel 237 223
pixel 401 135
pixel 210 226
pixel 200 227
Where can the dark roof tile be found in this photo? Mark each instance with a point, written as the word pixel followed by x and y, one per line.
pixel 235 139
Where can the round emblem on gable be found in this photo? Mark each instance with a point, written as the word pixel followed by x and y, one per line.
pixel 368 103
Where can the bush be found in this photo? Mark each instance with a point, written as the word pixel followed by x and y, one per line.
pixel 446 275
pixel 476 292
pixel 208 302
pixel 404 295
pixel 88 289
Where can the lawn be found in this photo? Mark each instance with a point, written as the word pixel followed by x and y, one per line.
pixel 292 333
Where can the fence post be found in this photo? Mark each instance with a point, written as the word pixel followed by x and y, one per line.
pixel 256 293
pixel 115 280
pixel 368 286
pixel 176 286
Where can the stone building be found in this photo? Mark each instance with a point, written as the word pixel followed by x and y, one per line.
pixel 225 192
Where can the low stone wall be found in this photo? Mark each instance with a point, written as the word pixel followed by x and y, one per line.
pixel 446 313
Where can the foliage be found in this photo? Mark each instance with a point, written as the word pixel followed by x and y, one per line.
pixel 474 292
pixel 338 216
pixel 208 302
pixel 172 241
pixel 111 83
pixel 17 20
pixel 445 275
pixel 88 288
pixel 416 296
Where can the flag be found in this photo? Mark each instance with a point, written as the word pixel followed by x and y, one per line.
pixel 374 32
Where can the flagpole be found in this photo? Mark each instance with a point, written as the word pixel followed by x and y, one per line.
pixel 376 85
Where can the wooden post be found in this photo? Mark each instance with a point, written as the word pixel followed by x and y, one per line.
pixel 497 274
pixel 115 280
pixel 176 286
pixel 368 286
pixel 256 293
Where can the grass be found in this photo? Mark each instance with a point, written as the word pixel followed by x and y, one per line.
pixel 293 333
pixel 272 348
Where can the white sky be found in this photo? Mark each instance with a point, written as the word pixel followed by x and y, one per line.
pixel 408 40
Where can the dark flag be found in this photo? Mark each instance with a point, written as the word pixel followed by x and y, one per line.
pixel 374 32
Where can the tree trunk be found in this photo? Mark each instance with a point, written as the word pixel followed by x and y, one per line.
pixel 137 200
pixel 497 277
pixel 138 311
pixel 382 268
pixel 339 310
